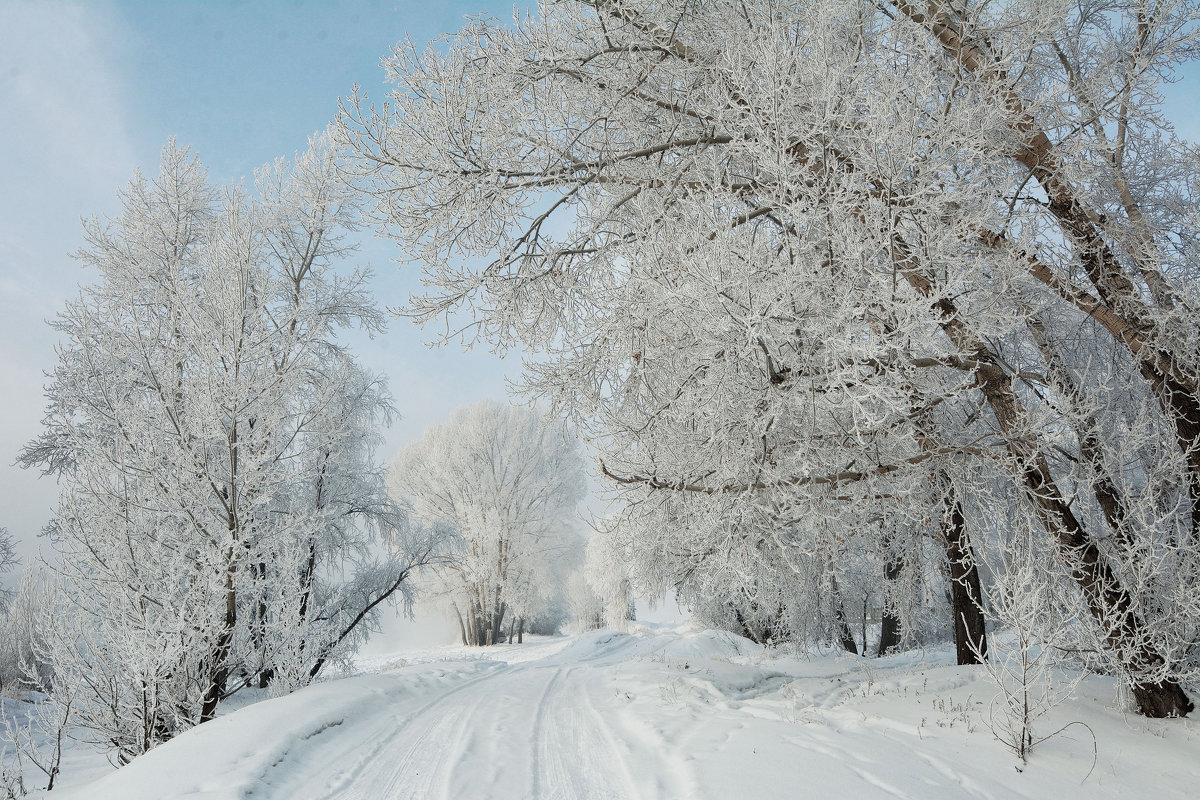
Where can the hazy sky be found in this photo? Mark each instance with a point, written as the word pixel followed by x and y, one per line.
pixel 90 91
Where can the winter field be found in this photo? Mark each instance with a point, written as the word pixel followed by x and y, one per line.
pixel 662 712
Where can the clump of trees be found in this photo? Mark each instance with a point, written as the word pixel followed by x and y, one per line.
pixel 221 520
pixel 599 591
pixel 845 294
pixel 23 665
pixel 507 481
pixel 10 662
pixel 8 559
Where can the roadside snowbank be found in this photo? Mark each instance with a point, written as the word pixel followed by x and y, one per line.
pixel 657 713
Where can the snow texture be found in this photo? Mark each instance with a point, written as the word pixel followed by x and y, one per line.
pixel 658 713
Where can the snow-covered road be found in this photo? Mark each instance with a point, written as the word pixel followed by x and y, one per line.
pixel 657 714
pixel 524 730
pixel 537 728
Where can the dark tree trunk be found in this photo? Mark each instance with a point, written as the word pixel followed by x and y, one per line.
pixel 745 629
pixel 844 634
pixel 462 626
pixel 1107 599
pixel 889 633
pixel 267 673
pixel 521 631
pixel 1160 700
pixel 496 628
pixel 219 660
pixel 966 593
pixel 864 624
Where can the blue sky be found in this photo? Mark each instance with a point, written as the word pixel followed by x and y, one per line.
pixel 89 91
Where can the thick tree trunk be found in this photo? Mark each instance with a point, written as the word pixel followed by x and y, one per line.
pixel 521 631
pixel 966 593
pixel 219 660
pixel 474 637
pixel 1106 598
pixel 889 632
pixel 496 628
pixel 844 634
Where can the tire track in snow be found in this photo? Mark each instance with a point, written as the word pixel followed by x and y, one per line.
pixel 357 746
pixel 424 762
pixel 605 730
pixel 537 741
pixel 399 730
pixel 524 730
pixel 574 753
pixel 468 750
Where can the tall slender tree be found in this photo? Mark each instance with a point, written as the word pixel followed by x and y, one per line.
pixel 220 518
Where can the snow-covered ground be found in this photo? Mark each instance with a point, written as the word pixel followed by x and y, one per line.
pixel 663 712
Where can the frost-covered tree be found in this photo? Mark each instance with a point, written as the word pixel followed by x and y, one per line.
pixel 220 520
pixel 508 480
pixel 22 659
pixel 585 605
pixel 606 575
pixel 8 559
pixel 832 277
pixel 10 639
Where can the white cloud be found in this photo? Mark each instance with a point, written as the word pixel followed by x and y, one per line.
pixel 66 149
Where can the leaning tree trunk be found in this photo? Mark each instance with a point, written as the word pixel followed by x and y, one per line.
pixel 462 627
pixel 1110 604
pixel 1107 600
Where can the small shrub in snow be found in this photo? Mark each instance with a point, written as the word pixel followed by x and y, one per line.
pixel 1024 667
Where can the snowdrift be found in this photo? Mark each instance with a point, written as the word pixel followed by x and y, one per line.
pixel 656 713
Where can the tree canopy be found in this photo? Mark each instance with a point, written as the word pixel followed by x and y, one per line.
pixel 834 286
